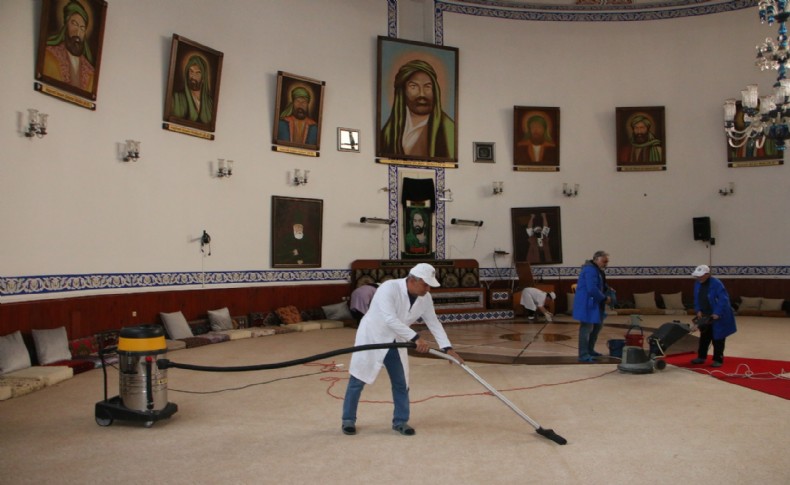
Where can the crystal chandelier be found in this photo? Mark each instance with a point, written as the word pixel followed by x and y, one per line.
pixel 765 116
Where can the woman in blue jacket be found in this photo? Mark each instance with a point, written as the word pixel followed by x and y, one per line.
pixel 712 301
pixel 589 304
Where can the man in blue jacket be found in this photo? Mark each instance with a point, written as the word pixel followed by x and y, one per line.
pixel 589 304
pixel 712 304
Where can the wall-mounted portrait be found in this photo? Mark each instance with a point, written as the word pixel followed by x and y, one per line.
pixel 641 139
pixel 298 108
pixel 296 232
pixel 70 45
pixel 536 138
pixel 193 82
pixel 417 103
pixel 537 235
pixel 751 152
pixel 417 213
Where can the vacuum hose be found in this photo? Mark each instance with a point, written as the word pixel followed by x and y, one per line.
pixel 167 364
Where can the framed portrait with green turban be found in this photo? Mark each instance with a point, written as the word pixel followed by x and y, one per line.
pixel 297 114
pixel 417 105
pixel 70 42
pixel 193 86
pixel 641 139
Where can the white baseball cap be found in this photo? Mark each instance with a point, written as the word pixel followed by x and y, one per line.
pixel 425 272
pixel 552 295
pixel 700 270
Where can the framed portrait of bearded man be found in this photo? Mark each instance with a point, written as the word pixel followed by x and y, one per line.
pixel 641 139
pixel 193 82
pixel 70 42
pixel 417 104
pixel 298 109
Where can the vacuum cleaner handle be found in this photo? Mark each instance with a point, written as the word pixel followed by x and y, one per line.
pixel 547 433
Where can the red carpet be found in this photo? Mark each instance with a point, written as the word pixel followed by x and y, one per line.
pixel 758 374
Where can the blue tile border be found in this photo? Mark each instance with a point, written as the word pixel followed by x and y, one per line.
pixel 573 13
pixel 54 284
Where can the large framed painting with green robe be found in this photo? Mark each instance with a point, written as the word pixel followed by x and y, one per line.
pixel 193 84
pixel 417 103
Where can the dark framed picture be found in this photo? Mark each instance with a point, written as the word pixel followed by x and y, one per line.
pixel 296 232
pixel 751 152
pixel 70 40
pixel 537 235
pixel 298 107
pixel 641 139
pixel 193 83
pixel 417 102
pixel 536 138
pixel 483 152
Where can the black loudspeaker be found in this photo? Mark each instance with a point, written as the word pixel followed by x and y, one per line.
pixel 701 228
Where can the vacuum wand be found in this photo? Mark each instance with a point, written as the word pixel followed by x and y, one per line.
pixel 547 433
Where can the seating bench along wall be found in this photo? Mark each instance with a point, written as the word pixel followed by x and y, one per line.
pixel 460 289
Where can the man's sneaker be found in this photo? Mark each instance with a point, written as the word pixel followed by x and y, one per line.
pixel 697 361
pixel 716 364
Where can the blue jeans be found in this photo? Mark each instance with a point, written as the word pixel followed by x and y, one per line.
pixel 400 391
pixel 588 335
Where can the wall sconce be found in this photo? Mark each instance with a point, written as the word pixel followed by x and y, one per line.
pixel 375 220
pixel 36 124
pixel 300 177
pixel 132 151
pixel 499 187
pixel 465 222
pixel 728 190
pixel 224 169
pixel 569 191
pixel 447 195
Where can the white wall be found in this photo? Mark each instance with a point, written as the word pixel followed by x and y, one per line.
pixel 70 206
pixel 688 65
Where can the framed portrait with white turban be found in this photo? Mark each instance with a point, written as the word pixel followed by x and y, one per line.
pixel 70 43
pixel 641 139
pixel 297 114
pixel 417 104
pixel 193 82
pixel 297 225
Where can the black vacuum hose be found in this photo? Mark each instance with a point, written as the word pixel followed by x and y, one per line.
pixel 167 364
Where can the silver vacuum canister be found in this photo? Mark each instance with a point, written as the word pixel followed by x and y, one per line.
pixel 143 386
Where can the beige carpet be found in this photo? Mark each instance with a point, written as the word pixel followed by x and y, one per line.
pixel 672 426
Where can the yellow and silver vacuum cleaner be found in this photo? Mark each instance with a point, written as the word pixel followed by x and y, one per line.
pixel 143 385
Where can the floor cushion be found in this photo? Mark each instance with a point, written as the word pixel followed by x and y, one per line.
pixel 19 386
pixel 325 324
pixel 304 326
pixel 261 332
pixel 13 353
pixel 237 333
pixel 49 375
pixel 193 342
pixel 175 345
pixel 78 366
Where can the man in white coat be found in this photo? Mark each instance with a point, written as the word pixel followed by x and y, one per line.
pixel 396 306
pixel 534 300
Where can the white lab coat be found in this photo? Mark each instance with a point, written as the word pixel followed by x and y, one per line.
pixel 388 320
pixel 532 298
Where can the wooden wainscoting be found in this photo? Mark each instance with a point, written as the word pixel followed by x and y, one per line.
pixel 87 315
